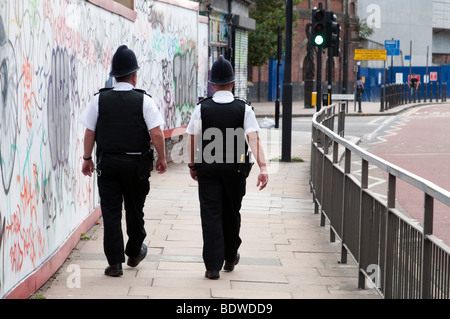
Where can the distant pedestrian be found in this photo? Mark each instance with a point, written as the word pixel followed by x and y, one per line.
pixel 122 122
pixel 413 82
pixel 219 127
pixel 359 86
pixel 413 85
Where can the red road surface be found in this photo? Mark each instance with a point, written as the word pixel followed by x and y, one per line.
pixel 421 145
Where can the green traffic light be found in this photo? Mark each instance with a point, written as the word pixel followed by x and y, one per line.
pixel 319 40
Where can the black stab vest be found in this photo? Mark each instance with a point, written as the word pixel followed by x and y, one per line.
pixel 121 127
pixel 223 135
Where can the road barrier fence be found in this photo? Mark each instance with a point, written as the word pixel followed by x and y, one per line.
pixel 394 254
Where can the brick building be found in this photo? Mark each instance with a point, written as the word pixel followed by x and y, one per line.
pixel 261 80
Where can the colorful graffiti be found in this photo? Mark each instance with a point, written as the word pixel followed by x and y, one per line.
pixel 54 56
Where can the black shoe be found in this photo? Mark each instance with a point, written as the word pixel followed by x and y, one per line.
pixel 114 270
pixel 212 274
pixel 229 265
pixel 134 261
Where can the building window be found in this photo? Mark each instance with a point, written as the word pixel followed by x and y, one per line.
pixel 124 8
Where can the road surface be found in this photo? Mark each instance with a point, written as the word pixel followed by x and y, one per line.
pixel 418 141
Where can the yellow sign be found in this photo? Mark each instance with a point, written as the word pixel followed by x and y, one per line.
pixel 370 55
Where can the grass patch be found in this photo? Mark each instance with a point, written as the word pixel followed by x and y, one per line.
pixel 85 237
pixel 293 160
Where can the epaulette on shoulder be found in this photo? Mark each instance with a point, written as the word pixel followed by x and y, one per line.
pixel 243 100
pixel 142 91
pixel 103 90
pixel 246 102
pixel 204 99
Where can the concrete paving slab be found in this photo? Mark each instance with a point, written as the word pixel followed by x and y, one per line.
pixel 285 253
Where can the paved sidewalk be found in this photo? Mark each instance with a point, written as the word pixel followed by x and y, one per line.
pixel 267 109
pixel 285 254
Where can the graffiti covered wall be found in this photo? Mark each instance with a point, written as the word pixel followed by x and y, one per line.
pixel 54 56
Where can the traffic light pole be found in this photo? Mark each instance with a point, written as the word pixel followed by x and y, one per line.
pixel 320 40
pixel 319 79
pixel 325 34
pixel 330 74
pixel 287 89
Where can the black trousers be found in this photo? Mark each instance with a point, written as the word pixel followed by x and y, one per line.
pixel 221 190
pixel 118 183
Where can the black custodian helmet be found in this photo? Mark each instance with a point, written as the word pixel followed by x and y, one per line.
pixel 222 72
pixel 124 62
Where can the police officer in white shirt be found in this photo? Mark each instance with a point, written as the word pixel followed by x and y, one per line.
pixel 123 122
pixel 219 129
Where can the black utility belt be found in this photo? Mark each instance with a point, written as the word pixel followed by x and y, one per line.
pixel 241 168
pixel 145 158
pixel 113 154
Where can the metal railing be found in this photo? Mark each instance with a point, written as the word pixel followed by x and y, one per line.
pixel 396 255
pixel 393 95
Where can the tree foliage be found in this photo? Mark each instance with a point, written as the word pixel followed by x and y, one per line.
pixel 365 31
pixel 263 42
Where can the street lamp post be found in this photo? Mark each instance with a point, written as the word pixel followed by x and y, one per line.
pixel 287 88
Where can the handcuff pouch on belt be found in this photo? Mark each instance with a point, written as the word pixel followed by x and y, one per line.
pixel 145 164
pixel 245 165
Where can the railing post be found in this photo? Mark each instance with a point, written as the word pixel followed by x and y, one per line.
pixel 341 119
pixel 364 185
pixel 389 235
pixel 347 171
pixel 427 247
pixel 322 183
pixel 312 165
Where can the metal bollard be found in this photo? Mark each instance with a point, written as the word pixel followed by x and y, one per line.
pixel 444 92
pixel 388 98
pixel 409 94
pixel 395 94
pixel 431 92
pixel 437 92
pixel 443 88
pixel 403 93
pixel 425 92
pixel 406 92
pixel 419 93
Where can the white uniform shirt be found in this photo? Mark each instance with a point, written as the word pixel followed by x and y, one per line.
pixel 152 116
pixel 222 97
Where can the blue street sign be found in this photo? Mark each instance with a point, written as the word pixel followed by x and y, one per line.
pixel 392 47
